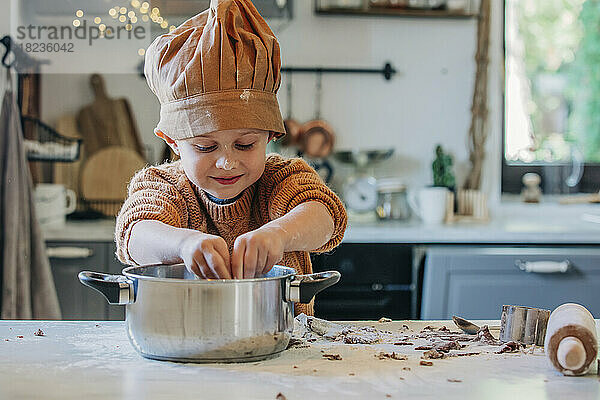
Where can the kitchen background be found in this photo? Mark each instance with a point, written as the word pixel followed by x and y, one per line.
pixel 535 254
pixel 429 98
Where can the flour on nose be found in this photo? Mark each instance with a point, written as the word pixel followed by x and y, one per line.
pixel 226 164
pixel 245 95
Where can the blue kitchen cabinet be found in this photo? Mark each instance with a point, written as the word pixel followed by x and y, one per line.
pixel 67 259
pixel 475 281
pixel 114 312
pixel 79 302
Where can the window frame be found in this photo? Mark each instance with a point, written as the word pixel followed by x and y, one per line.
pixel 512 172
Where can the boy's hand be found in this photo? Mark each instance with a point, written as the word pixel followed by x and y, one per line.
pixel 206 256
pixel 255 252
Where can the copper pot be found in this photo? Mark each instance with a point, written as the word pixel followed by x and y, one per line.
pixel 292 127
pixel 317 136
pixel 316 139
pixel 293 130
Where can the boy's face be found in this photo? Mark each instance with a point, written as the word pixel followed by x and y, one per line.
pixel 223 163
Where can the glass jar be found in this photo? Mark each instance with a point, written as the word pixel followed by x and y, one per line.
pixel 392 200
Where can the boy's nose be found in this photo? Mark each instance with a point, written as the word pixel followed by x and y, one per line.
pixel 226 163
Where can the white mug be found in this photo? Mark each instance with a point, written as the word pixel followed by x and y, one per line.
pixel 430 204
pixel 52 204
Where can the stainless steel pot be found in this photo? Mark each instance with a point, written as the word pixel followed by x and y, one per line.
pixel 173 315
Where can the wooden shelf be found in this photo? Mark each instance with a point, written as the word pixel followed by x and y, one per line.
pixel 395 12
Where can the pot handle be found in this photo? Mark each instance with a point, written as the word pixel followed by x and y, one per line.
pixel 117 289
pixel 302 288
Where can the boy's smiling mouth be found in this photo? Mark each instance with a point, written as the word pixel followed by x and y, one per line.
pixel 229 180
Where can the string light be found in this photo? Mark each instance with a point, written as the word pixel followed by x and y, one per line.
pixel 79 13
pixel 102 27
pixel 122 14
pixel 141 52
pixel 76 22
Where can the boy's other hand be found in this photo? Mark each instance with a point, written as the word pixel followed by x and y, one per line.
pixel 255 252
pixel 206 256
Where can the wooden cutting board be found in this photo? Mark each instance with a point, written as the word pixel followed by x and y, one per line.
pixel 105 177
pixel 107 122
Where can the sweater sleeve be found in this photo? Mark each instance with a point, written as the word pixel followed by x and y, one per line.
pixel 152 195
pixel 293 182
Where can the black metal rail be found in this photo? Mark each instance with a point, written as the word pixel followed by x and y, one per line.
pixel 387 71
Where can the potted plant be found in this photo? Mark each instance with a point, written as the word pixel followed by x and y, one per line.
pixel 442 170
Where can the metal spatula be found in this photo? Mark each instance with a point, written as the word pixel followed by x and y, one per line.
pixel 469 327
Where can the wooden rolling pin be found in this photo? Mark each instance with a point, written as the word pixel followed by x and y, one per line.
pixel 571 340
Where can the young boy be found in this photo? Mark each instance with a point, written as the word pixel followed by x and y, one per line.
pixel 225 209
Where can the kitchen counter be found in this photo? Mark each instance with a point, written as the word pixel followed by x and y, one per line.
pixel 511 223
pixel 76 360
pixel 96 230
pixel 495 232
pixel 524 226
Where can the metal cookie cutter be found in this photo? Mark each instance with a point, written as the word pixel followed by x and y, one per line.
pixel 525 325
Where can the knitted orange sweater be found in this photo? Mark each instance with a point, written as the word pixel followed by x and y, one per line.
pixel 165 194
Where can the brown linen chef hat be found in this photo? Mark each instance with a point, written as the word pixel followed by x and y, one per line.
pixel 218 70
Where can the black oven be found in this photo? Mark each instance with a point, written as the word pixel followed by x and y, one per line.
pixel 377 281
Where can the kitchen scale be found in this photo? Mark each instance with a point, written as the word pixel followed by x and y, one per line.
pixel 359 192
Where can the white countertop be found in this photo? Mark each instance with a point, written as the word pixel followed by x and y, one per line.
pixel 508 231
pixel 97 230
pixel 512 223
pixel 85 360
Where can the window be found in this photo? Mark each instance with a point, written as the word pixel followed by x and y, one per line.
pixel 552 94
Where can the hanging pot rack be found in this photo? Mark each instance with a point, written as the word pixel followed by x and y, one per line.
pixel 387 71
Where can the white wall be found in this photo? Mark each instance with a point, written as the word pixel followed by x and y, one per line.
pixel 426 103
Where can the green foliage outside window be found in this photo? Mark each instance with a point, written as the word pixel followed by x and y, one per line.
pixel 561 41
pixel 584 87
